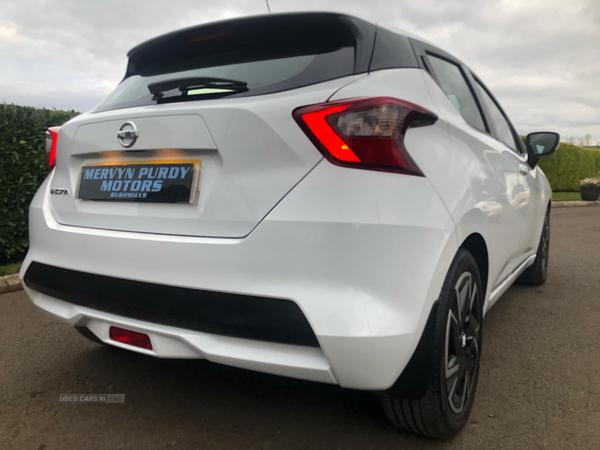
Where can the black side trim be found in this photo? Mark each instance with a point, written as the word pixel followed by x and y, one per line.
pixel 392 51
pixel 242 316
pixel 414 380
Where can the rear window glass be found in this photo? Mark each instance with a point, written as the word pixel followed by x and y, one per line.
pixel 265 61
pixel 262 77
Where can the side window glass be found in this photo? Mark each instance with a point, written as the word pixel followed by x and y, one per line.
pixel 502 126
pixel 453 83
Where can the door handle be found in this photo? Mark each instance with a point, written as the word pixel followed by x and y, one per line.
pixel 523 169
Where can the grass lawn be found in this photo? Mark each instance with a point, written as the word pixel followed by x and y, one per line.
pixel 9 269
pixel 562 196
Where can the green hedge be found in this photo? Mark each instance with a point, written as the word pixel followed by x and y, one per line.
pixel 568 165
pixel 22 169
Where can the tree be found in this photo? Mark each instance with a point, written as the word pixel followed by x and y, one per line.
pixel 587 139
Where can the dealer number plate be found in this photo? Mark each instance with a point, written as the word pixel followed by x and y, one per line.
pixel 171 182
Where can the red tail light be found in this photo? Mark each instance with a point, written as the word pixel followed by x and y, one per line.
pixel 51 140
pixel 364 133
pixel 130 337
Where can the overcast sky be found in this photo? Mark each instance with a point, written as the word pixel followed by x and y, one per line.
pixel 541 58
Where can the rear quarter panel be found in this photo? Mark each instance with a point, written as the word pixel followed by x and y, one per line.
pixel 458 176
pixel 431 149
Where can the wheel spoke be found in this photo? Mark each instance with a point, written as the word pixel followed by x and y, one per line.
pixel 472 328
pixel 472 319
pixel 452 367
pixel 473 297
pixel 452 383
pixel 463 295
pixel 455 327
pixel 472 347
pixel 457 375
pixel 475 346
pixel 463 366
pixel 465 390
pixel 453 347
pixel 456 395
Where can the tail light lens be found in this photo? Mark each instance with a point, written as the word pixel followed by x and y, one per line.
pixel 364 133
pixel 51 141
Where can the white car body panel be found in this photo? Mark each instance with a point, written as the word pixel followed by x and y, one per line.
pixel 248 164
pixel 363 253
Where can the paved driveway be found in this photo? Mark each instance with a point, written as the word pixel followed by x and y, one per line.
pixel 539 385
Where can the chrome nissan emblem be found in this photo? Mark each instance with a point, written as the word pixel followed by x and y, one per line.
pixel 128 134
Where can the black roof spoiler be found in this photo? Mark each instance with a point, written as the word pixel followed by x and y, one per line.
pixel 375 48
pixel 262 19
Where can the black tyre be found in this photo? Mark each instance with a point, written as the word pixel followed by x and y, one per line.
pixel 444 409
pixel 86 333
pixel 536 274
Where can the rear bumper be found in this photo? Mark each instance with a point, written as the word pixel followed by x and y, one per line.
pixel 308 363
pixel 243 316
pixel 364 273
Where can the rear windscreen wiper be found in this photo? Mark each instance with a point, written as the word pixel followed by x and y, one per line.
pixel 190 84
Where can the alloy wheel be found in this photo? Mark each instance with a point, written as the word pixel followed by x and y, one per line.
pixel 545 244
pixel 462 342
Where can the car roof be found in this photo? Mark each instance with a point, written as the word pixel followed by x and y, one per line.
pixel 388 26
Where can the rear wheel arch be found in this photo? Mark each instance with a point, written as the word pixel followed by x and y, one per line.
pixel 411 383
pixel 475 244
pixel 422 403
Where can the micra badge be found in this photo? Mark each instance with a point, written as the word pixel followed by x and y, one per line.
pixel 59 191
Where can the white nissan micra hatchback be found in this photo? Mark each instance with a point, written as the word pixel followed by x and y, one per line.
pixel 309 195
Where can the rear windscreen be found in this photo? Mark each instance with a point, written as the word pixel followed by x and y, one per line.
pixel 263 55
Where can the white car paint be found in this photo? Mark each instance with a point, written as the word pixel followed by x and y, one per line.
pixel 363 253
pixel 252 137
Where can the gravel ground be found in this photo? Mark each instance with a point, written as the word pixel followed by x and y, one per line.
pixel 539 385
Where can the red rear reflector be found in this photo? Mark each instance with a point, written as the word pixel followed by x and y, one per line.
pixel 130 337
pixel 364 133
pixel 51 141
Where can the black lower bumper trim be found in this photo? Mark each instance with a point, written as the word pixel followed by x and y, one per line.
pixel 241 316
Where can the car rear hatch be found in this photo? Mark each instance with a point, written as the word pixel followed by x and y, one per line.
pixel 213 148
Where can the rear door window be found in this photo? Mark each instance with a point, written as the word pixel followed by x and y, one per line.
pixel 454 84
pixel 503 128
